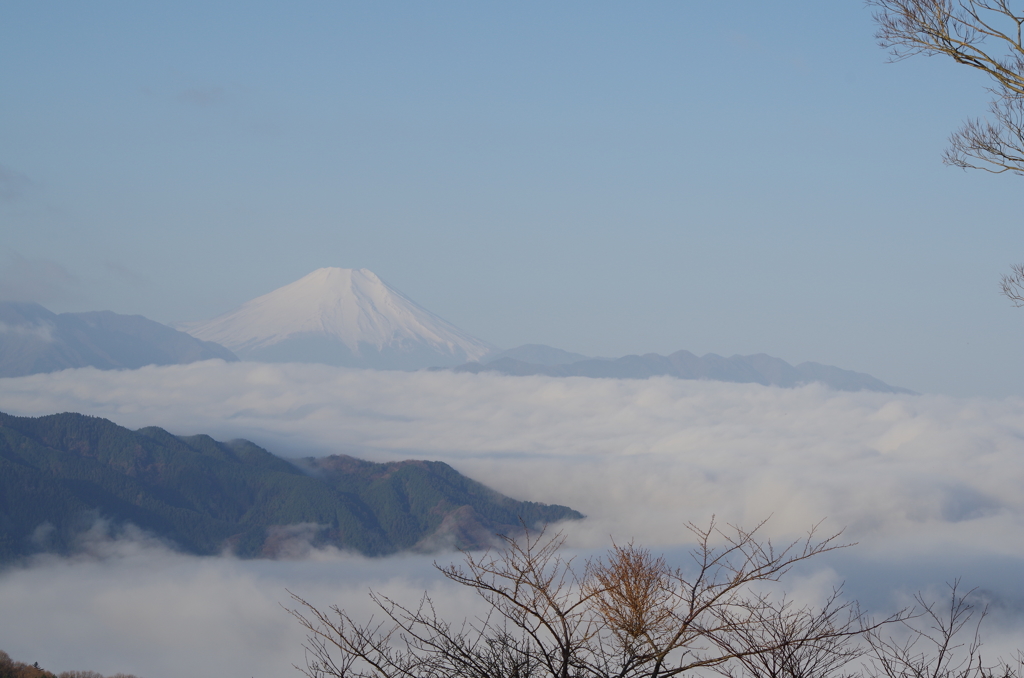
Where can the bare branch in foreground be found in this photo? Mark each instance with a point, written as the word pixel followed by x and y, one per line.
pixel 627 615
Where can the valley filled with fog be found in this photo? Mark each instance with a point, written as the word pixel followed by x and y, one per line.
pixel 663 265
pixel 927 485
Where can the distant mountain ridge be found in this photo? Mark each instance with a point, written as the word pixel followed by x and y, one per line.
pixel 537 354
pixel 752 369
pixel 352 318
pixel 59 473
pixel 34 340
pixel 343 317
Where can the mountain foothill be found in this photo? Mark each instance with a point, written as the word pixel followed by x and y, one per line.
pixel 352 318
pixel 67 478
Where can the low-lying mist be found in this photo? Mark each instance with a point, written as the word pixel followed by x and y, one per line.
pixel 928 485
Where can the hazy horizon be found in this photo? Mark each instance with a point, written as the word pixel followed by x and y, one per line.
pixel 602 178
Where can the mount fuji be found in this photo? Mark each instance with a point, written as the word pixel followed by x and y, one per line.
pixel 343 317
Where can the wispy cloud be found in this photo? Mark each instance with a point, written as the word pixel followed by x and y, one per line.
pixel 36 280
pixel 127 274
pixel 13 184
pixel 202 96
pixel 37 330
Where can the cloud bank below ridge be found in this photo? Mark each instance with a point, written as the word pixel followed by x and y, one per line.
pixel 635 455
pixel 928 485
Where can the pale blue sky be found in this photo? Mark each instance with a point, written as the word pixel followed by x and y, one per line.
pixel 608 178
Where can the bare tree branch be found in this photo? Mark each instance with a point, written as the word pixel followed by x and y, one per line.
pixel 1012 285
pixel 985 35
pixel 628 615
pixel 935 646
pixel 803 642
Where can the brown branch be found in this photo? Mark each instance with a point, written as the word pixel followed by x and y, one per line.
pixel 968 31
pixel 628 615
pixel 1012 285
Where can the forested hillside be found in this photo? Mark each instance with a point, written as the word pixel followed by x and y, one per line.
pixel 60 473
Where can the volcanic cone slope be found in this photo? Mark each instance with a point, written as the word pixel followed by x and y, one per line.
pixel 344 317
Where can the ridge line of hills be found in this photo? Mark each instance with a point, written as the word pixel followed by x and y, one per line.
pixel 352 318
pixel 751 369
pixel 35 340
pixel 61 473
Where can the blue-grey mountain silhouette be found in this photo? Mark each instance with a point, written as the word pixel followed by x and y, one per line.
pixel 33 340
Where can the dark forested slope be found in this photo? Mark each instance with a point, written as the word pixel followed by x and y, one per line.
pixel 59 473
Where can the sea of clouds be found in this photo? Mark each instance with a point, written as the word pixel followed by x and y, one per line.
pixel 929 487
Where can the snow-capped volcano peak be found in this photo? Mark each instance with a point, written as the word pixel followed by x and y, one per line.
pixel 340 316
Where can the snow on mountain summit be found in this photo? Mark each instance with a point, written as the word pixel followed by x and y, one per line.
pixel 340 316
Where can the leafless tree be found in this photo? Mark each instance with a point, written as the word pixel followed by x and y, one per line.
pixel 935 645
pixel 627 615
pixel 1013 285
pixel 805 642
pixel 985 35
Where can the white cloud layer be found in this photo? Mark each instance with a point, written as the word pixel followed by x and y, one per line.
pixel 929 486
pixel 140 609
